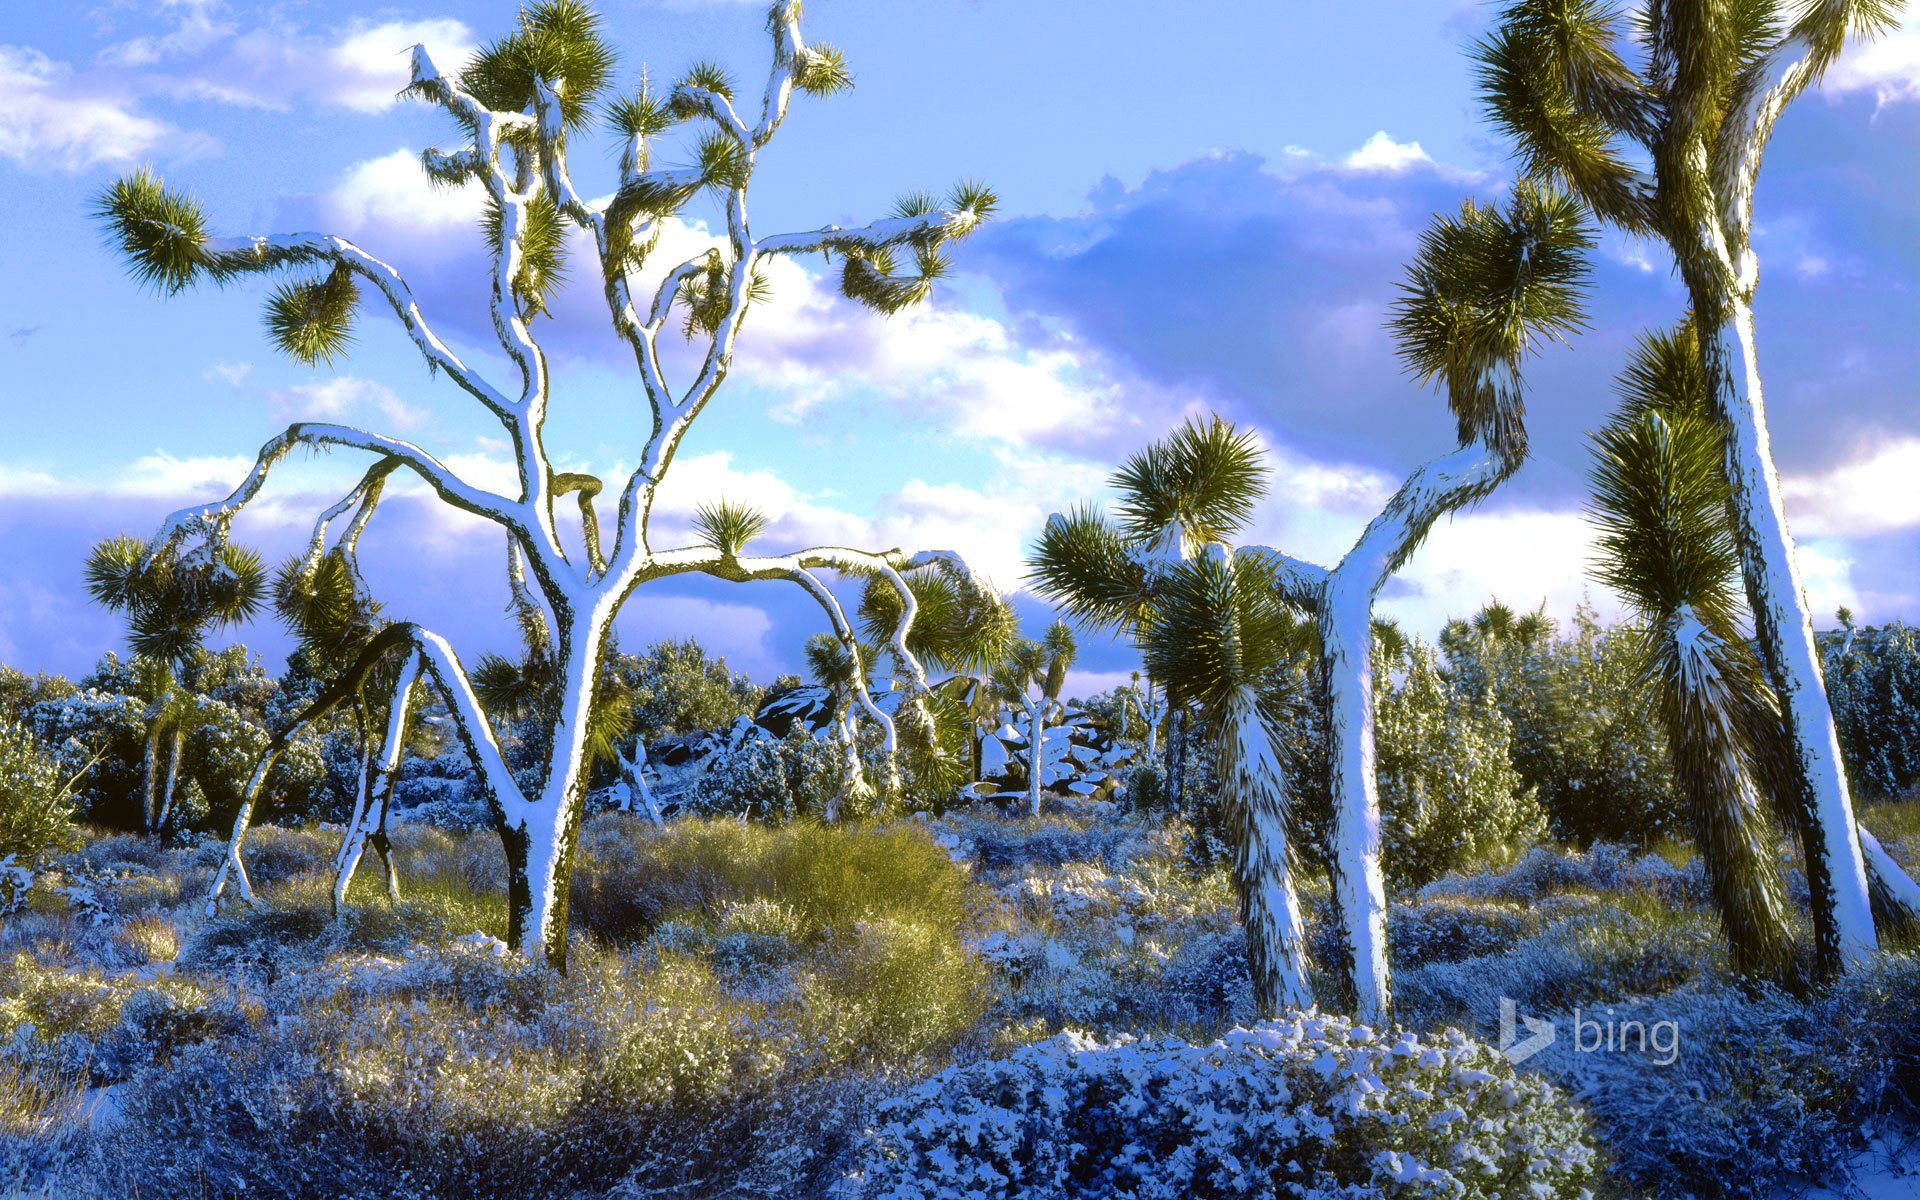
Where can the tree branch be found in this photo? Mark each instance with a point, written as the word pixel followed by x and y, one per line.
pixel 266 253
pixel 214 517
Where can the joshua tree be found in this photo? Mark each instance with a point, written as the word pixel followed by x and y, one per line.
pixel 1485 287
pixel 938 618
pixel 172 601
pixel 1221 636
pixel 326 603
pixel 1660 500
pixel 1701 104
pixel 836 666
pixel 519 106
pixel 1031 677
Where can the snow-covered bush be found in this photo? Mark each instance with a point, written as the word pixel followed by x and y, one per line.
pixel 1873 679
pixel 771 780
pixel 1765 1091
pixel 1586 952
pixel 1307 1106
pixel 1449 795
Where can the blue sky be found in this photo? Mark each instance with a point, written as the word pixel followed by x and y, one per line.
pixel 1204 206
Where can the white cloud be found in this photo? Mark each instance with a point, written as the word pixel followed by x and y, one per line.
pixel 371 64
pixel 161 474
pixel 1519 556
pixel 1382 153
pixel 48 119
pixel 1873 494
pixel 233 374
pixel 1888 67
pixel 361 67
pixel 345 398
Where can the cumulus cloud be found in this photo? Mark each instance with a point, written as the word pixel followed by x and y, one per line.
pixel 361 66
pixel 51 120
pixel 1382 153
pixel 1874 493
pixel 1888 67
pixel 348 399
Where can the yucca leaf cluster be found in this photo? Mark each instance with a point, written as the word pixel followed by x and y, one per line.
pixel 172 600
pixel 1661 502
pixel 1486 286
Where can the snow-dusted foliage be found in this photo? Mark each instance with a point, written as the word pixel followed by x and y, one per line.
pixel 36 804
pixel 1310 1106
pixel 1765 1090
pixel 1584 736
pixel 1873 678
pixel 1449 793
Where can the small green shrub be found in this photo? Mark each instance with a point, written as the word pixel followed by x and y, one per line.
pixel 36 803
pixel 1449 794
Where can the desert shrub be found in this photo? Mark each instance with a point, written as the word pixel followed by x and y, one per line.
pixel 1310 1105
pixel 36 805
pixel 1584 953
pixel 464 1072
pixel 630 877
pixel 1765 1092
pixel 1583 734
pixel 772 781
pixel 1449 794
pixel 1873 680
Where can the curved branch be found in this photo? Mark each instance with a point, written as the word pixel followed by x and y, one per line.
pixel 843 630
pixel 266 253
pixel 213 517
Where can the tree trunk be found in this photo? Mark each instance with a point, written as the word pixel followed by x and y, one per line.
pixel 1255 787
pixel 174 750
pixel 1177 759
pixel 1783 628
pixel 376 795
pixel 150 793
pixel 1359 889
pixel 1036 756
pixel 539 848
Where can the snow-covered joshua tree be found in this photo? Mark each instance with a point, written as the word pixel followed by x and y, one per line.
pixel 1701 105
pixel 1486 286
pixel 519 106
pixel 1031 678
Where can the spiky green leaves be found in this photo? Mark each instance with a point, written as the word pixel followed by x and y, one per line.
pixel 172 600
pixel 1203 479
pixel 163 232
pixel 1219 627
pixel 642 115
pixel 558 41
pixel 1027 663
pixel 728 527
pixel 1486 286
pixel 957 625
pixel 1551 79
pixel 822 71
pixel 1665 374
pixel 874 276
pixel 833 665
pixel 1660 501
pixel 313 320
pixel 706 297
pixel 543 249
pixel 324 605
pixel 1083 564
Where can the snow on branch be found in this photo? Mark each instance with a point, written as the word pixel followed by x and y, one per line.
pixel 212 519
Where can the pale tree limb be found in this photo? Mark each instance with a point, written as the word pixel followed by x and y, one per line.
pixel 377 789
